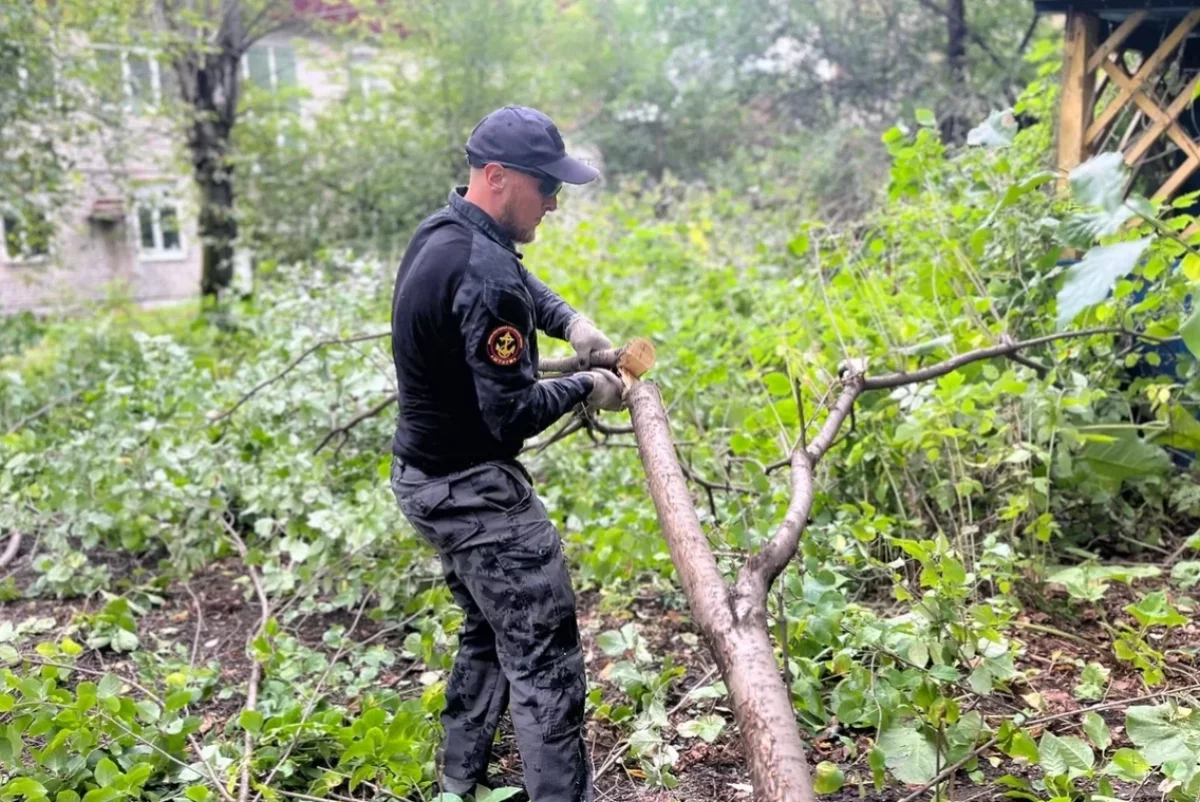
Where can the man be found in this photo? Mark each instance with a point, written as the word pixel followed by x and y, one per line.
pixel 465 316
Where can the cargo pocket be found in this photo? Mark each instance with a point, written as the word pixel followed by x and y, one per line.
pixel 534 561
pixel 560 690
pixel 426 508
pixel 500 488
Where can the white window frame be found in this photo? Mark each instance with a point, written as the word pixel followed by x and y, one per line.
pixel 156 199
pixel 154 102
pixel 364 82
pixel 20 258
pixel 271 65
pixel 23 73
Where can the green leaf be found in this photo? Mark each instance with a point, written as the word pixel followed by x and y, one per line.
pixel 1154 610
pixel 110 685
pixel 11 745
pixel 1023 747
pixel 1088 282
pixel 1186 573
pixel 925 118
pixel 1097 730
pixel 106 773
pixel 251 721
pixel 26 787
pixel 910 755
pixel 829 778
pixel 148 711
pixel 1163 732
pixel 777 384
pixel 877 760
pixel 1190 332
pixel 8 655
pixel 66 796
pixel 707 727
pixel 996 131
pixel 197 793
pixel 1128 765
pixel 1091 682
pixel 1183 430
pixel 1099 181
pixel 612 643
pixel 498 794
pixel 1082 229
pixel 1058 755
pixel 123 641
pixel 1126 457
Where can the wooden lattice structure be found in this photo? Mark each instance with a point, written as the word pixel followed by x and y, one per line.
pixel 1130 73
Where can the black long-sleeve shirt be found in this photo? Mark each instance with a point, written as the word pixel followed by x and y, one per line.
pixel 465 315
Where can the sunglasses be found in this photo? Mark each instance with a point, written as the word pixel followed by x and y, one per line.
pixel 549 185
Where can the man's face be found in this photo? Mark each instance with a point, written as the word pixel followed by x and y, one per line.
pixel 524 205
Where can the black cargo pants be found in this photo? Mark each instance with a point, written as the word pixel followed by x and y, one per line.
pixel 519 644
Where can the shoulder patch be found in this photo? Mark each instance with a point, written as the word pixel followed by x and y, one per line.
pixel 505 345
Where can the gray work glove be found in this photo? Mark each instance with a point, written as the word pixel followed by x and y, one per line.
pixel 606 392
pixel 585 338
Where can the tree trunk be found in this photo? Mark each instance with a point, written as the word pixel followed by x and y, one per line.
pixel 956 40
pixel 739 641
pixel 954 124
pixel 209 87
pixel 217 224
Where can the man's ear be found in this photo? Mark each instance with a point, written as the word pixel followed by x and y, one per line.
pixel 494 176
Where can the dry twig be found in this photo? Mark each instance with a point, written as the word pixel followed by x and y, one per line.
pixel 255 666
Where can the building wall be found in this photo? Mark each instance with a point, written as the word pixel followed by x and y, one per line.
pixel 90 258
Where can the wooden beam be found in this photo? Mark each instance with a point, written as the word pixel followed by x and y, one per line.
pixel 1076 108
pixel 1114 41
pixel 1152 109
pixel 1178 177
pixel 1151 134
pixel 1148 68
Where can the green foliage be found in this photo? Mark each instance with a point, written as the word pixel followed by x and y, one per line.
pixel 933 512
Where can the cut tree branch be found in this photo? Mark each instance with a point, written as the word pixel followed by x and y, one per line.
pixel 733 618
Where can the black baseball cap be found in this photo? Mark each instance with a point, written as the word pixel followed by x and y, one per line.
pixel 524 137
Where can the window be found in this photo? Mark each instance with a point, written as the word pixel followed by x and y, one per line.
pixel 139 79
pixel 37 71
pixel 272 68
pixel 26 236
pixel 158 230
pixel 364 75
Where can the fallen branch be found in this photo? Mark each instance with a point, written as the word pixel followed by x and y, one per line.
pixel 733 618
pixel 569 428
pixel 344 429
pixel 32 416
pixel 292 365
pixel 10 551
pixel 255 666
